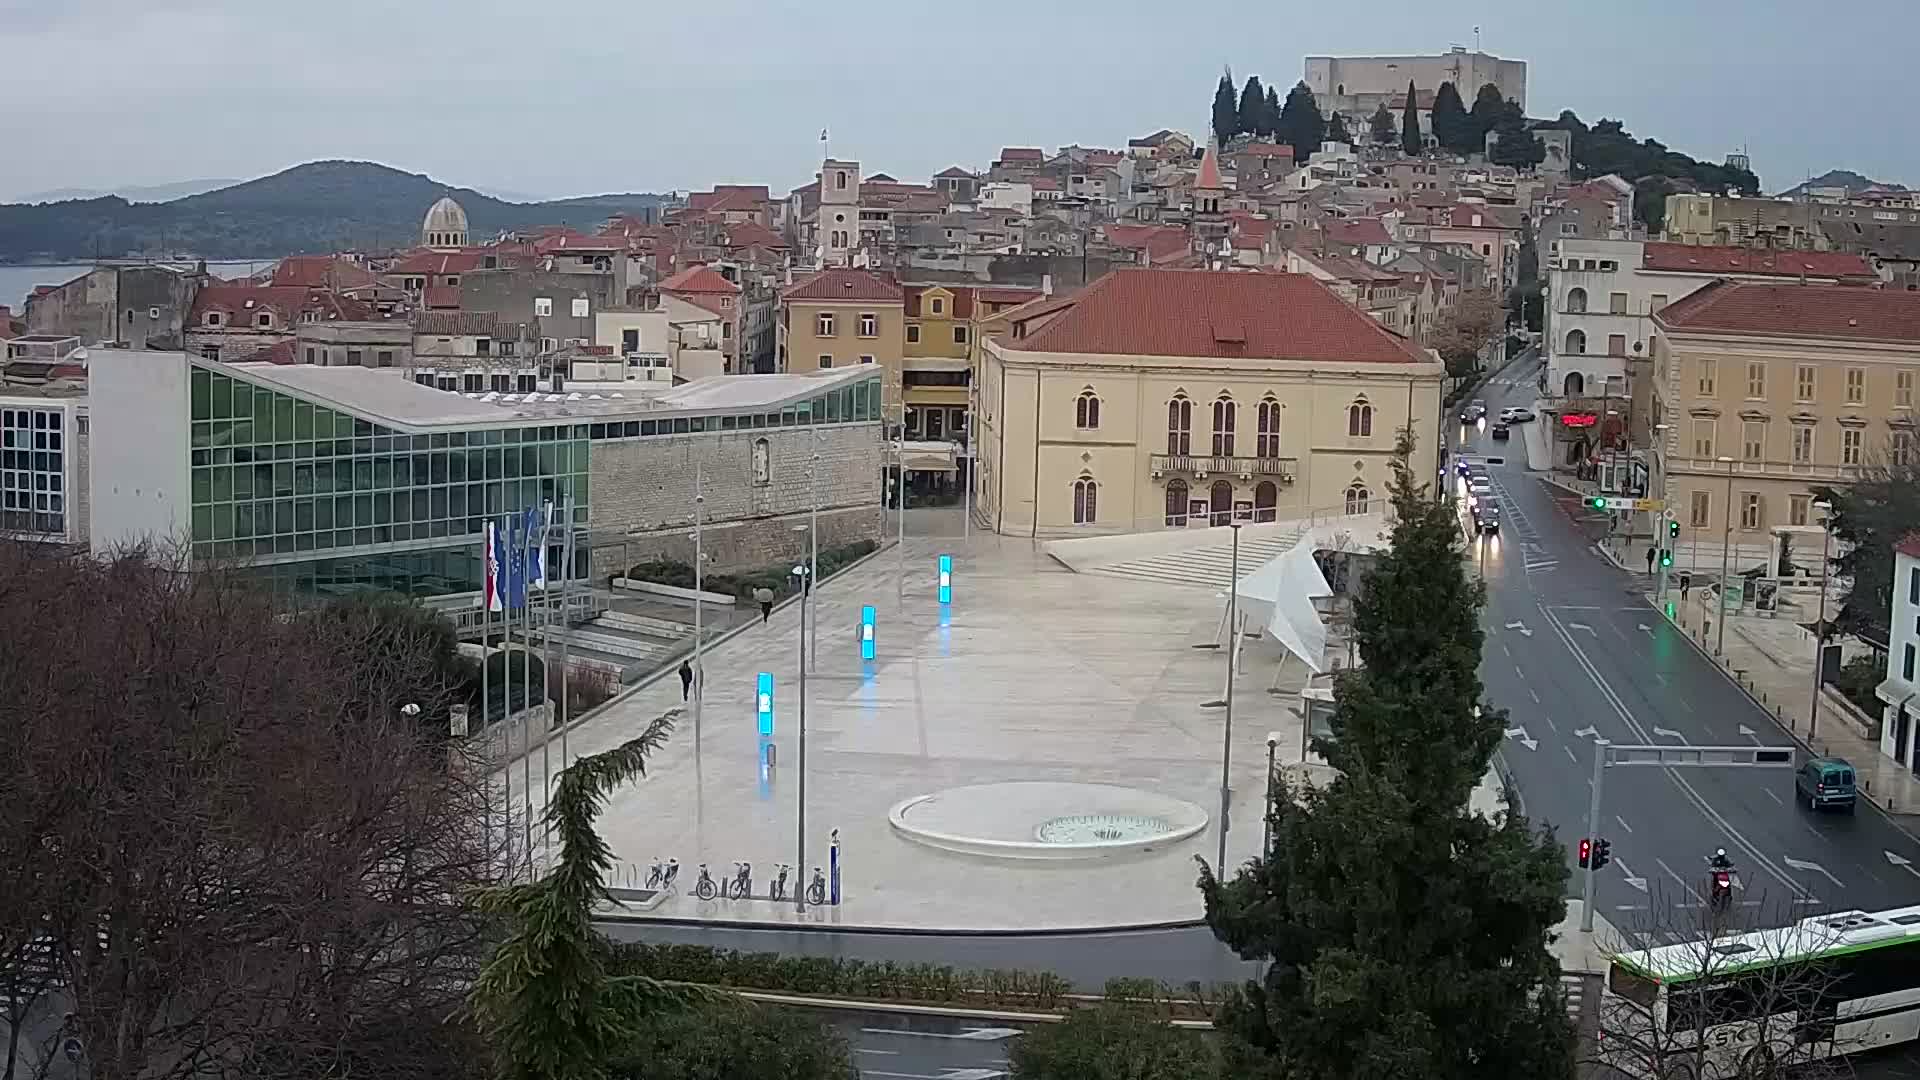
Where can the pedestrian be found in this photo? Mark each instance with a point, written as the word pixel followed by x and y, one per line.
pixel 764 597
pixel 686 679
pixel 1686 582
pixel 1649 560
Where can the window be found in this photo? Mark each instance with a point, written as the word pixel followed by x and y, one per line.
pixel 263 319
pixel 1703 437
pixel 1357 498
pixel 826 360
pixel 1086 411
pixel 1176 502
pixel 1900 447
pixel 1753 441
pixel 1616 344
pixel 939 305
pixel 1224 414
pixel 1803 444
pixel 1086 494
pixel 213 318
pixel 840 180
pixel 1856 385
pixel 913 334
pixel 959 335
pixel 153 313
pixel 581 307
pixel 1756 379
pixel 1266 441
pixel 1798 507
pixel 1708 370
pixel 1360 419
pixel 823 324
pixel 354 357
pixel 1699 508
pixel 1903 388
pixel 1576 342
pixel 867 359
pixel 1609 265
pixel 1266 500
pixel 1576 301
pixel 1180 425
pixel 542 306
pixel 386 357
pixel 210 352
pixel 310 354
pixel 1751 510
pixel 1913 586
pixel 1803 383
pixel 1906 662
pixel 1656 302
pixel 1569 228
pixel 1850 446
pixel 869 324
pixel 1617 303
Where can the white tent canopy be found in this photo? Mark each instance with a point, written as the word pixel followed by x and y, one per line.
pixel 1279 597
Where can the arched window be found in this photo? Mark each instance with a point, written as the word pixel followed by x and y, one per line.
pixel 1176 502
pixel 1576 301
pixel 1085 494
pixel 1576 341
pixel 1358 497
pixel 1360 419
pixel 1266 498
pixel 1576 384
pixel 1220 503
pixel 1086 410
pixel 1179 425
pixel 1267 420
pixel 1224 413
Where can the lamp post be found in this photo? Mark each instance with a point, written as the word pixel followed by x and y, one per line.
pixel 1233 655
pixel 1266 817
pixel 800 800
pixel 699 581
pixel 1825 509
pixel 1726 549
pixel 813 554
pixel 1662 541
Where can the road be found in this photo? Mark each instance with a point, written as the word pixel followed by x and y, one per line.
pixel 1574 651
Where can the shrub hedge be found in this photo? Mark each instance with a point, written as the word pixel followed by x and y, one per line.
pixel 740 584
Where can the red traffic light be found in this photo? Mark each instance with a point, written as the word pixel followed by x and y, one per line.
pixel 1586 850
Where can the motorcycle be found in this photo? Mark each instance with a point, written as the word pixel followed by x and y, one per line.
pixel 1720 882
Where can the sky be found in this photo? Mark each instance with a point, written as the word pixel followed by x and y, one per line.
pixel 589 96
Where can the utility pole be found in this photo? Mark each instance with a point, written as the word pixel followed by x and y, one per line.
pixel 1233 659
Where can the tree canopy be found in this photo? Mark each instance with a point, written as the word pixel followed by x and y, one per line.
pixel 1654 170
pixel 1252 111
pixel 1410 141
pixel 1380 126
pixel 1337 129
pixel 1273 112
pixel 1301 126
pixel 1403 934
pixel 1226 114
pixel 1869 517
pixel 1515 145
pixel 1452 128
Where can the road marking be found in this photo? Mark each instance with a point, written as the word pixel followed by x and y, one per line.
pixel 1520 734
pixel 1669 733
pixel 1587 732
pixel 1901 862
pixel 1520 626
pixel 1749 733
pixel 1771 795
pixel 1799 864
pixel 1536 700
pixel 1509 652
pixel 1632 881
pixel 886 1053
pixel 1572 758
pixel 1645 629
pixel 1685 885
pixel 1581 626
pixel 971 1034
pixel 1623 822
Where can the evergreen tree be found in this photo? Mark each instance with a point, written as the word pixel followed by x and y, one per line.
pixel 1301 126
pixel 1337 129
pixel 1382 125
pixel 1450 124
pixel 1226 115
pixel 1253 107
pixel 1272 113
pixel 1486 109
pixel 1516 146
pixel 1410 142
pixel 1404 935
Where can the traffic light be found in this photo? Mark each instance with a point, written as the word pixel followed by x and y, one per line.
pixel 1598 502
pixel 1673 529
pixel 1666 558
pixel 1602 853
pixel 1586 851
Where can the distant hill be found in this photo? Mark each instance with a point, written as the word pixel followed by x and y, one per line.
pixel 1842 178
pixel 317 207
pixel 149 194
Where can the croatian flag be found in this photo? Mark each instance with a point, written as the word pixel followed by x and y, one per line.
pixel 492 581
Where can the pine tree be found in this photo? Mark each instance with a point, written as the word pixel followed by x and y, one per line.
pixel 1410 141
pixel 1301 126
pixel 1516 145
pixel 1272 113
pixel 1486 109
pixel 1337 129
pixel 1226 116
pixel 1403 934
pixel 1382 125
pixel 1450 124
pixel 1253 107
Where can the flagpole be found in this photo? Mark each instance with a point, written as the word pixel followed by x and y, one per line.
pixel 486 654
pixel 566 643
pixel 546 669
pixel 516 594
pixel 699 629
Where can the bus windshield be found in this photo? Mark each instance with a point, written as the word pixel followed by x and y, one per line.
pixel 1633 986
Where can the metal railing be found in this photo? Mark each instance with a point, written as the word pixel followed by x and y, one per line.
pixel 1207 465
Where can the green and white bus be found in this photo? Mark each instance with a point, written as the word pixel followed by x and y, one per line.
pixel 1825 986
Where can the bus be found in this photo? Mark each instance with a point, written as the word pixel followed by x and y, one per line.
pixel 1736 1004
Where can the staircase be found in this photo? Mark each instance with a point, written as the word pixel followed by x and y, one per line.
pixel 633 645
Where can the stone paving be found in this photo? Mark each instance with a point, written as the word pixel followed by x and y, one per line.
pixel 1031 673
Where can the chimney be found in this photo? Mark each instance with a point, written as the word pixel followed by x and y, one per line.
pixel 1046 284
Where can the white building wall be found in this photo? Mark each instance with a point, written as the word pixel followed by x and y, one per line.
pixel 138 447
pixel 1903 638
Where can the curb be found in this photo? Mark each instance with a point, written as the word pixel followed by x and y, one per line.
pixel 761 926
pixel 904 1009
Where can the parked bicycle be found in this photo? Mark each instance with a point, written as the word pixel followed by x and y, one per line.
pixel 673 874
pixel 703 886
pixel 778 890
pixel 660 875
pixel 742 885
pixel 817 890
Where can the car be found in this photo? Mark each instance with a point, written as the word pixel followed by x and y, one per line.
pixel 1478 488
pixel 1473 412
pixel 1486 517
pixel 1825 781
pixel 1500 432
pixel 1465 467
pixel 1513 414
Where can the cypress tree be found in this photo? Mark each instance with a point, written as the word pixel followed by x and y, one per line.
pixel 1410 142
pixel 1301 126
pixel 1226 116
pixel 1337 129
pixel 1381 125
pixel 1272 113
pixel 1486 109
pixel 1450 124
pixel 1253 107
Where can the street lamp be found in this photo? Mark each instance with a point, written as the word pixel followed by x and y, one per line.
pixel 1266 819
pixel 800 894
pixel 1825 509
pixel 1726 548
pixel 1233 655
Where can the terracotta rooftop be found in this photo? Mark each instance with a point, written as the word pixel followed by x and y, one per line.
pixel 847 285
pixel 437 262
pixel 1358 232
pixel 962 307
pixel 1267 150
pixel 1021 153
pixel 286 301
pixel 1824 312
pixel 1210 169
pixel 1909 546
pixel 459 324
pixel 1742 260
pixel 954 172
pixel 441 297
pixel 699 279
pixel 1212 313
pixel 320 272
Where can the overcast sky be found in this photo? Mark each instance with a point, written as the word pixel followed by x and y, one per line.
pixel 588 96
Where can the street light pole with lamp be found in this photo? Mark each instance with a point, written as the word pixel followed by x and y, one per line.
pixel 1233 656
pixel 1726 551
pixel 1825 509
pixel 800 863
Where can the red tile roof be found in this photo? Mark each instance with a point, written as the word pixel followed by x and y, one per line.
pixel 1909 546
pixel 1021 153
pixel 437 262
pixel 320 272
pixel 962 307
pixel 1267 150
pixel 1210 169
pixel 1358 232
pixel 1742 260
pixel 954 171
pixel 1220 314
pixel 1045 183
pixel 849 285
pixel 441 297
pixel 287 301
pixel 700 280
pixel 1823 312
pixel 1168 243
pixel 752 233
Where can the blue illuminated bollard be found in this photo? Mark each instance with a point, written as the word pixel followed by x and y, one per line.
pixel 763 702
pixel 866 631
pixel 946 579
pixel 833 866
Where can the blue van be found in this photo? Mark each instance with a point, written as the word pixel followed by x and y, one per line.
pixel 1823 782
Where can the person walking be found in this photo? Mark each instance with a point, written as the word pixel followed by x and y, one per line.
pixel 1649 560
pixel 764 597
pixel 686 679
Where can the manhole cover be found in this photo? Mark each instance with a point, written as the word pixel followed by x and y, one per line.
pixel 1100 828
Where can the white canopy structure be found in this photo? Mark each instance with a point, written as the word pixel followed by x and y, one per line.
pixel 1279 598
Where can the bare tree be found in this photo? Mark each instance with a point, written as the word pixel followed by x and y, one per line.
pixel 1741 994
pixel 249 860
pixel 1462 332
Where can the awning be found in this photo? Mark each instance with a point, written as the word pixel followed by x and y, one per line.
pixel 928 456
pixel 1280 596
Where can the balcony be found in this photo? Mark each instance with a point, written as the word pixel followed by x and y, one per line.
pixel 1201 466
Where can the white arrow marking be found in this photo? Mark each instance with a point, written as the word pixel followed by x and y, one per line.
pixel 1520 626
pixel 1647 629
pixel 1623 823
pixel 1669 733
pixel 1901 862
pixel 1798 864
pixel 972 1034
pixel 1581 626
pixel 1585 733
pixel 971 1074
pixel 1520 733
pixel 1748 732
pixel 1636 882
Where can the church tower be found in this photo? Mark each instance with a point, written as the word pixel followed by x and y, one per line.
pixel 1209 225
pixel 445 225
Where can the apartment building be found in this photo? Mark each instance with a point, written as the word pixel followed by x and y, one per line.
pixel 840 318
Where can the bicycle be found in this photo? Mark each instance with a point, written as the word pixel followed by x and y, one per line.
pixel 778 889
pixel 817 890
pixel 703 886
pixel 656 874
pixel 672 874
pixel 742 885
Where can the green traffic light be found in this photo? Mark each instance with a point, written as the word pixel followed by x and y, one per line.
pixel 1673 528
pixel 1666 558
pixel 1598 503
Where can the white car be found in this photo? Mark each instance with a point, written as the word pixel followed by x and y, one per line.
pixel 1515 415
pixel 1478 487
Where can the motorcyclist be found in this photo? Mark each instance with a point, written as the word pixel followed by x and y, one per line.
pixel 1720 860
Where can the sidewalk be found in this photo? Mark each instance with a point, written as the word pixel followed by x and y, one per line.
pixel 1772 659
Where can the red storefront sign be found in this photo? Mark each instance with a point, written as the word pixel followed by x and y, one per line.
pixel 1579 419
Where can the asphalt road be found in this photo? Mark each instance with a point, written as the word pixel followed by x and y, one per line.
pixel 1574 651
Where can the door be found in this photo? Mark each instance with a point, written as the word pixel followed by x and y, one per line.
pixel 1900 736
pixel 1221 508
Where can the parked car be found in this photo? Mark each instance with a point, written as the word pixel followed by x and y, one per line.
pixel 1825 781
pixel 1500 432
pixel 1478 488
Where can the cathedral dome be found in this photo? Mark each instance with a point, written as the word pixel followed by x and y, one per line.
pixel 445 226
